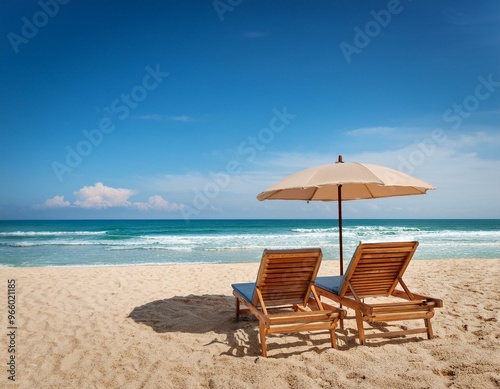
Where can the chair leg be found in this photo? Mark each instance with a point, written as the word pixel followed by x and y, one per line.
pixel 263 333
pixel 333 339
pixel 361 329
pixel 341 320
pixel 237 309
pixel 428 325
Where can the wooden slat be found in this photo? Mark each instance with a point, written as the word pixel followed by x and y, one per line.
pixel 299 328
pixel 298 317
pixel 374 271
pixel 397 333
pixel 400 317
pixel 285 280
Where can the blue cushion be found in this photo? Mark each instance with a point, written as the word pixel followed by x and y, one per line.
pixel 331 283
pixel 246 290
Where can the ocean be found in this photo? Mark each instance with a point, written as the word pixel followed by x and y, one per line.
pixel 139 242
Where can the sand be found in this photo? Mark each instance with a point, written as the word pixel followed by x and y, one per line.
pixel 173 327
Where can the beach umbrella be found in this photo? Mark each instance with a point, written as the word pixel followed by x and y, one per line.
pixel 342 181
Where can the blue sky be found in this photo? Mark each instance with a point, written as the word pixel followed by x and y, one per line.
pixel 189 109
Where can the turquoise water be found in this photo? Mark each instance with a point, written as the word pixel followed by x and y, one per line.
pixel 133 242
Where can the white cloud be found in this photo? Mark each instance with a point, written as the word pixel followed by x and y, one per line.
pixel 460 165
pixel 154 117
pixel 474 139
pixel 182 118
pixel 100 196
pixel 167 118
pixel 463 166
pixel 157 202
pixel 371 131
pixel 56 202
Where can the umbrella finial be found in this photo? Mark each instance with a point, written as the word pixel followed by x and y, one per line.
pixel 340 159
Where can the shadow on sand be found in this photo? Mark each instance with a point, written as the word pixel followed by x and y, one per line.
pixel 216 314
pixel 201 315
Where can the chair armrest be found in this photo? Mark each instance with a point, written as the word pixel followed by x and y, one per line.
pixel 438 303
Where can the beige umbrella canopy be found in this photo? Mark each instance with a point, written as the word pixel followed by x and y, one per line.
pixel 345 181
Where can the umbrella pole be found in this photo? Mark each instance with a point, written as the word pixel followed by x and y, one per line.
pixel 339 189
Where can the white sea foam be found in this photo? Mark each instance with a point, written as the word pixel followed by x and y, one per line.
pixel 213 242
pixel 50 233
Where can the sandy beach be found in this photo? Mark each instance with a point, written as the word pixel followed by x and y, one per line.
pixel 173 327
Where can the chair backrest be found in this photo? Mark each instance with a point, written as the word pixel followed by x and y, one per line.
pixel 375 268
pixel 286 276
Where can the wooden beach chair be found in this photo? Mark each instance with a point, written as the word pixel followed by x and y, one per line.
pixel 375 271
pixel 284 298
